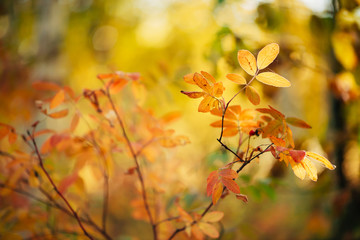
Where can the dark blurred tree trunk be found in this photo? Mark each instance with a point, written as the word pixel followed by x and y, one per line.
pixel 346 223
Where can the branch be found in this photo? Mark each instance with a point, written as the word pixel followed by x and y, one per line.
pixel 56 189
pixel 135 157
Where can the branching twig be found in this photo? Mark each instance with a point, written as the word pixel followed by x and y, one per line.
pixel 135 157
pixel 55 187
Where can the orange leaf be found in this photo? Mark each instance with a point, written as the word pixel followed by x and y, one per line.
pixel 57 99
pixel 106 75
pixel 267 55
pixel 214 216
pixel 231 185
pixel 273 79
pixel 194 94
pixel 196 232
pixel 211 181
pixel 277 141
pixel 202 83
pixel 12 136
pixel 227 123
pixel 230 132
pixel 4 131
pixel 252 95
pixel 272 111
pixel 236 78
pixel 74 122
pixel 208 77
pixel 217 192
pixel 45 86
pixel 297 122
pixel 206 104
pixel 186 217
pixel 189 78
pixel 209 229
pixel 228 173
pixel 247 61
pixel 59 114
pixel 117 85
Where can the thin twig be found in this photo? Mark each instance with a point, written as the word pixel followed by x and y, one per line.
pixel 55 187
pixel 134 156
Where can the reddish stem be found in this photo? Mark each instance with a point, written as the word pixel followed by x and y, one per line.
pixel 76 216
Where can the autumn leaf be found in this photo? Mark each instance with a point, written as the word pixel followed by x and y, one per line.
pixel 45 86
pixel 194 94
pixel 59 114
pixel 74 122
pixel 236 120
pixel 252 95
pixel 231 185
pixel 213 217
pixel 236 78
pixel 267 55
pixel 273 79
pixel 242 197
pixel 297 122
pixel 247 61
pixel 217 192
pixel 321 159
pixel 212 91
pixel 57 99
pixel 209 229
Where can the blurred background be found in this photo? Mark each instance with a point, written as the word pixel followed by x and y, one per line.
pixel 71 41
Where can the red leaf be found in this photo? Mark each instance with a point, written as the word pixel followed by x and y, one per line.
pixel 67 182
pixel 297 155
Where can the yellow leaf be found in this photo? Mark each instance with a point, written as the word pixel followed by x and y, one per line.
pixel 57 99
pixel 344 50
pixel 252 95
pixel 321 159
pixel 310 169
pixel 273 79
pixel 236 78
pixel 247 61
pixel 298 168
pixel 209 229
pixel 214 216
pixel 267 55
